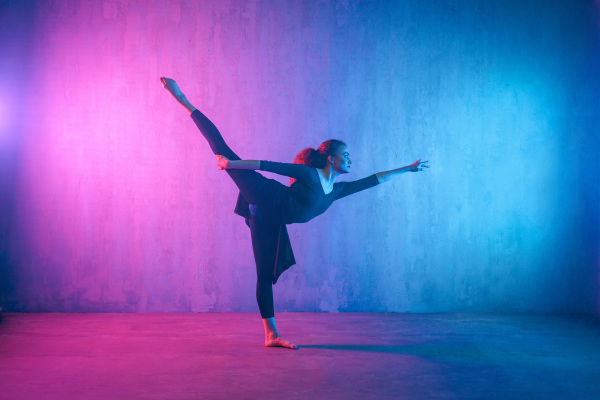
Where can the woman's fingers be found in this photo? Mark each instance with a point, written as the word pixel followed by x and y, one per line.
pixel 420 165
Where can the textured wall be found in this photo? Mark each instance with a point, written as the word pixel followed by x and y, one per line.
pixel 111 201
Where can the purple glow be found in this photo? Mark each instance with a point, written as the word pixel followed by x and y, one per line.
pixel 7 119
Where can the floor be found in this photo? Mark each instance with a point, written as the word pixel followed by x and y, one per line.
pixel 341 356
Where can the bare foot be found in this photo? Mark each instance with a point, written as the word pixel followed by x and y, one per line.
pixel 171 86
pixel 278 341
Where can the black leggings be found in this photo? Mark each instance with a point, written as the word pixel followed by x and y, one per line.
pixel 263 227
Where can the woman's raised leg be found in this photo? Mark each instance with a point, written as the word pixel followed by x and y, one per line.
pixel 171 86
pixel 250 183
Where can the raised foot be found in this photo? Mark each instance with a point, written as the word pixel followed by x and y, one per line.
pixel 279 342
pixel 171 86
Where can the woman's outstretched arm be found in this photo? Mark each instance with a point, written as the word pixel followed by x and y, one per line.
pixel 297 171
pixel 415 167
pixel 225 163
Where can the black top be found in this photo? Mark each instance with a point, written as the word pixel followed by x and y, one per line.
pixel 301 202
pixel 305 198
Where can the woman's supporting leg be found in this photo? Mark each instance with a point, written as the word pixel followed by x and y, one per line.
pixel 264 297
pixel 265 235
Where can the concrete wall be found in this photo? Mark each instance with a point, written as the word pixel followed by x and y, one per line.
pixel 111 201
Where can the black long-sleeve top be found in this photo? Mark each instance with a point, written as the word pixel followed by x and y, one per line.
pixel 306 198
pixel 302 201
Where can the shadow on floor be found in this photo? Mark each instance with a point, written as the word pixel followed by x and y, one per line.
pixel 363 347
pixel 440 351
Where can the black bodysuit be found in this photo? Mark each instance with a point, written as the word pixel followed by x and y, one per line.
pixel 269 205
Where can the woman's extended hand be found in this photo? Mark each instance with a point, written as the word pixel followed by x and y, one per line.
pixel 417 166
pixel 222 162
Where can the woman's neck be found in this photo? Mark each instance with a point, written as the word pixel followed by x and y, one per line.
pixel 328 174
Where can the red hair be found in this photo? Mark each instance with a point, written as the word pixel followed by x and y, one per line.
pixel 318 158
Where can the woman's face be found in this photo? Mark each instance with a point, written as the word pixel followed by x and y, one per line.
pixel 342 162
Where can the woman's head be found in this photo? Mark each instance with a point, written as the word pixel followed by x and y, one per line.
pixel 333 151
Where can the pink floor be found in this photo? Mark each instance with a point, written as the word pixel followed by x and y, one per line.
pixel 342 356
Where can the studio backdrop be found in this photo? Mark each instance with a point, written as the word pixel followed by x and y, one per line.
pixel 111 201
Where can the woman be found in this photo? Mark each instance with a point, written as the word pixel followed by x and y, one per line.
pixel 268 205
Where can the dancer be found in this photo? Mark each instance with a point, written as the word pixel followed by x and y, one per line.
pixel 268 205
